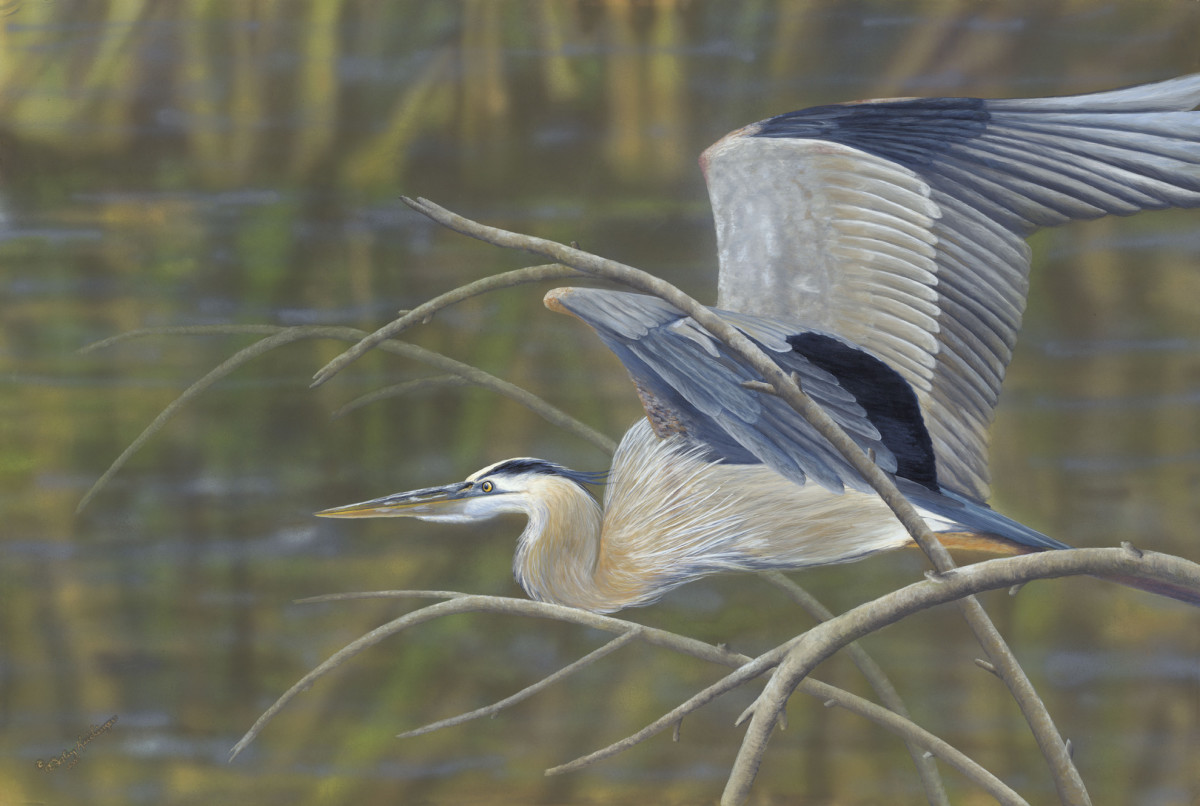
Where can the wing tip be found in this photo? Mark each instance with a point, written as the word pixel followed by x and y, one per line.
pixel 1177 94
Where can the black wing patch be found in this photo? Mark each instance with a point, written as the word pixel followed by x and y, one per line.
pixel 694 385
pixel 888 399
pixel 911 132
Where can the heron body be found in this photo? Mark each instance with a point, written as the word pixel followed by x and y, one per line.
pixel 670 515
pixel 875 250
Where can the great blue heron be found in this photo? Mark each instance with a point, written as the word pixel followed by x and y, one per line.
pixel 876 249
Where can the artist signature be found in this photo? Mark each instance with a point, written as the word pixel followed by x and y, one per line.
pixel 70 757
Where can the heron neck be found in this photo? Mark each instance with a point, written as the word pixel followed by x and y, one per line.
pixel 557 554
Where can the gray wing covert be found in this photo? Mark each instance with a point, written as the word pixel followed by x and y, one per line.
pixel 695 383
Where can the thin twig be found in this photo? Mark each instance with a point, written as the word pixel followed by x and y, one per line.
pixel 931 780
pixel 182 330
pixel 913 734
pixel 278 336
pixel 410 594
pixel 421 313
pixel 986 665
pixel 401 389
pixel 1066 777
pixel 748 671
pixel 220 371
pixel 528 691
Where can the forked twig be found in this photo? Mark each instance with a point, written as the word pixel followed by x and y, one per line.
pixel 746 669
pixel 810 648
pixel 467 603
pixel 806 650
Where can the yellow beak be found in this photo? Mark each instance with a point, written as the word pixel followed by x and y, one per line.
pixel 415 503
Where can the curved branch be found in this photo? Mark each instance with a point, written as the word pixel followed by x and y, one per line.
pixel 826 638
pixel 462 603
pixel 805 652
pixel 277 336
pixel 914 734
pixel 1066 777
pixel 465 603
pixel 183 330
pixel 527 692
pixel 399 390
pixel 421 313
pixel 398 594
pixel 217 373
pixel 529 400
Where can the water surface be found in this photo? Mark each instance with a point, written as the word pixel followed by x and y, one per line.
pixel 188 164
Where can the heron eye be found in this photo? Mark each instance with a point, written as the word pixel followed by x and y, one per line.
pixel 486 486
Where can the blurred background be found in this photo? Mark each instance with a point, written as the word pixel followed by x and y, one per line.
pixel 168 164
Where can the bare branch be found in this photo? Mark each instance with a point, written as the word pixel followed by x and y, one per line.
pixel 809 649
pixel 347 597
pixel 471 604
pixel 805 652
pixel 798 655
pixel 927 769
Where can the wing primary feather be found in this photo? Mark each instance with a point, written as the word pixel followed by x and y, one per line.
pixel 1137 184
pixel 1178 93
pixel 1082 196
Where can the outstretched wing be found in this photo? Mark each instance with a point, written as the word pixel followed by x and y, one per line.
pixel 691 384
pixel 899 225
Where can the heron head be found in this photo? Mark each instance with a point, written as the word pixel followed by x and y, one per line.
pixel 511 486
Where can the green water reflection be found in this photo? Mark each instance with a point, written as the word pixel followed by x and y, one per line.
pixel 194 163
